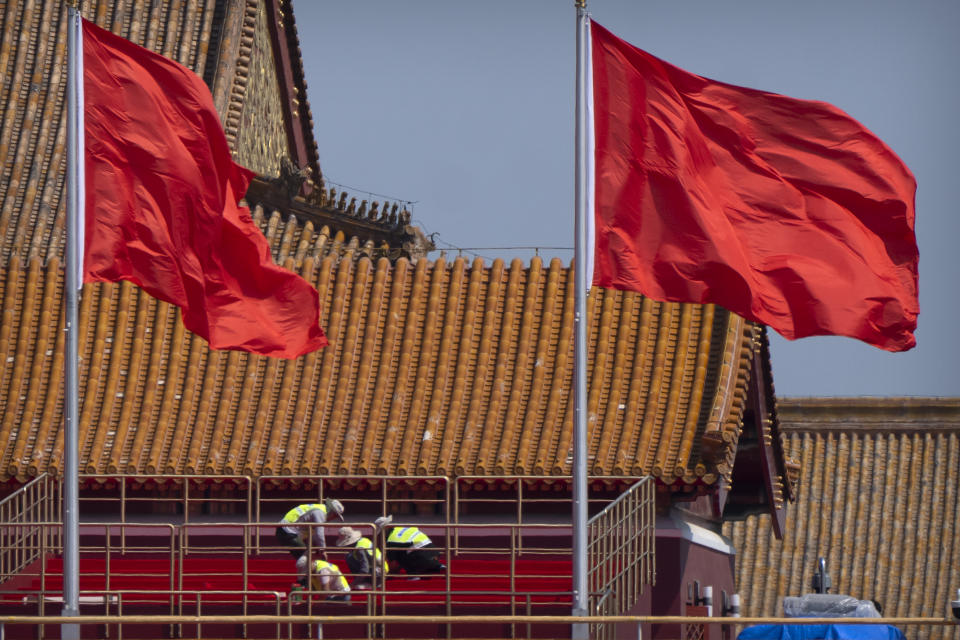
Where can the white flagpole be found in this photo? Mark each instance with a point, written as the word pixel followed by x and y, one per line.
pixel 71 503
pixel 582 198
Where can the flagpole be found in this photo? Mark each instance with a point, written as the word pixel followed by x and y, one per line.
pixel 71 503
pixel 580 631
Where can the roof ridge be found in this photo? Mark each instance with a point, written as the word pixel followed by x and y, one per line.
pixel 393 214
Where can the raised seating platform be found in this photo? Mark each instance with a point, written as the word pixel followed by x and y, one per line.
pixel 147 583
pixel 478 578
pixel 190 550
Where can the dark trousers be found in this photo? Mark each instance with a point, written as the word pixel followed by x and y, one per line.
pixel 361 566
pixel 291 540
pixel 423 560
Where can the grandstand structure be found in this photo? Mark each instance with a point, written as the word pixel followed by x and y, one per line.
pixel 444 398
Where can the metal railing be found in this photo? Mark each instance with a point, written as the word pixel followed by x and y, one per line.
pixel 22 535
pixel 107 548
pixel 406 620
pixel 246 541
pixel 509 497
pixel 193 497
pixel 40 582
pixel 368 495
pixel 176 496
pixel 620 536
pixel 620 552
pixel 180 601
pixel 161 553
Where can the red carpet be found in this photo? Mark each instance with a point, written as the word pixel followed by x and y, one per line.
pixel 479 584
pixel 473 579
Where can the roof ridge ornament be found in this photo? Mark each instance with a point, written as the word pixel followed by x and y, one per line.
pixel 291 179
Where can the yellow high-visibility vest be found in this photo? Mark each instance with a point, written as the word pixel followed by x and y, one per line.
pixel 405 535
pixel 367 545
pixel 295 514
pixel 319 565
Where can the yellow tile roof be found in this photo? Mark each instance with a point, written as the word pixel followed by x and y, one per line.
pixel 435 367
pixel 879 499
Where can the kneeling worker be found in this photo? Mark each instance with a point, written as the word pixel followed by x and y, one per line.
pixel 364 561
pixel 326 576
pixel 411 548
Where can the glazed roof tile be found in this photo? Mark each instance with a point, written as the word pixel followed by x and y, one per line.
pixel 33 123
pixel 879 500
pixel 434 368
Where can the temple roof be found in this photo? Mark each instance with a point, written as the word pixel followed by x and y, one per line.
pixel 435 367
pixel 879 501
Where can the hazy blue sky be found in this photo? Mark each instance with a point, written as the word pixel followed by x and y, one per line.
pixel 466 109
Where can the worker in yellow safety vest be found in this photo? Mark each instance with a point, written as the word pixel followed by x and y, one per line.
pixel 300 525
pixel 364 561
pixel 325 576
pixel 410 548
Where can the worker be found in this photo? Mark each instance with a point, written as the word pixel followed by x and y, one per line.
pixel 326 576
pixel 410 548
pixel 295 529
pixel 364 561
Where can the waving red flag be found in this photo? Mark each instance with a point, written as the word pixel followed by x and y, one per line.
pixel 786 212
pixel 162 193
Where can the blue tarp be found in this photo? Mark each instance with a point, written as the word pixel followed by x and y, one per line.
pixel 821 632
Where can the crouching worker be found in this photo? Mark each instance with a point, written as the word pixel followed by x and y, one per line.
pixel 295 530
pixel 325 576
pixel 411 549
pixel 364 562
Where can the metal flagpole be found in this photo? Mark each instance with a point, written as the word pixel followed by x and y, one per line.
pixel 580 631
pixel 71 529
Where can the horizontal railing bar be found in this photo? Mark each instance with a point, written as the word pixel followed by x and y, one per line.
pixel 364 592
pixel 270 524
pixel 502 619
pixel 141 592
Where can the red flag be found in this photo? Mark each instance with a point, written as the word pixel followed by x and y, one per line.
pixel 162 210
pixel 786 212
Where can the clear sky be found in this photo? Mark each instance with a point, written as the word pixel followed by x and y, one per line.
pixel 466 110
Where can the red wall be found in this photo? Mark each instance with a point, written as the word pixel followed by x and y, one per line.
pixel 679 563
